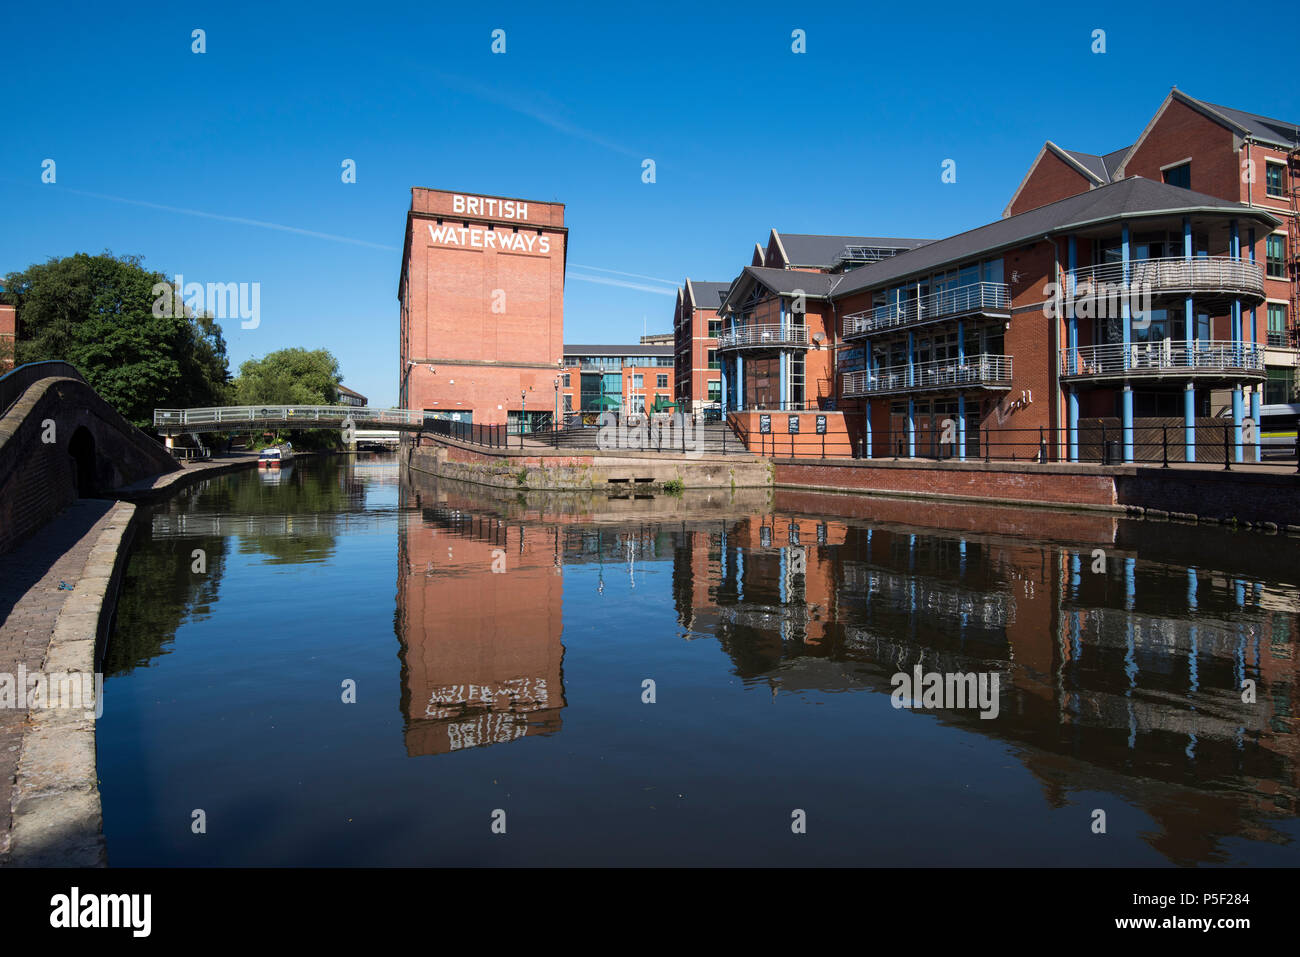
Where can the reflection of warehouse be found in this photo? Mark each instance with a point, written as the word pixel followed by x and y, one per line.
pixel 481 654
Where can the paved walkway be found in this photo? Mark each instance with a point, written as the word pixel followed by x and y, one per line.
pixel 30 602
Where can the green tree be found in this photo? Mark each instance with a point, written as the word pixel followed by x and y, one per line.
pixel 98 313
pixel 289 377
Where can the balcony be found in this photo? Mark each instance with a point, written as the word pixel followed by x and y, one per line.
pixel 980 371
pixel 972 299
pixel 1168 357
pixel 1212 277
pixel 764 336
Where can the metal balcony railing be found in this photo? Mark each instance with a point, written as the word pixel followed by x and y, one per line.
pixel 964 300
pixel 763 335
pixel 989 371
pixel 1165 357
pixel 1221 275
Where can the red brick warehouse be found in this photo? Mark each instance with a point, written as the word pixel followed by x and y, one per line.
pixel 482 306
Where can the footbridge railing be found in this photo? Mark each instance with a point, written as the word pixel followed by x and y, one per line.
pixel 290 416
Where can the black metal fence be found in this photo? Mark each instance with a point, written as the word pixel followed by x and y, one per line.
pixel 1097 443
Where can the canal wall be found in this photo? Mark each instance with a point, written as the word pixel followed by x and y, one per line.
pixel 539 469
pixel 55 813
pixel 1264 497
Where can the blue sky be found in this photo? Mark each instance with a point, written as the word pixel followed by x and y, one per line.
pixel 179 157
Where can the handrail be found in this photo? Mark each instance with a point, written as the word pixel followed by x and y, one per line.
pixel 981 369
pixel 1161 355
pixel 961 300
pixel 1172 274
pixel 305 414
pixel 764 334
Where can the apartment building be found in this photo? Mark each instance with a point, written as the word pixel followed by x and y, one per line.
pixel 615 378
pixel 1223 152
pixel 697 373
pixel 762 292
pixel 1125 307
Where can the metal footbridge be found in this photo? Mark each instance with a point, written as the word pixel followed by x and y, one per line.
pixel 238 417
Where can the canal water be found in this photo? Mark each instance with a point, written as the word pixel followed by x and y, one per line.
pixel 349 663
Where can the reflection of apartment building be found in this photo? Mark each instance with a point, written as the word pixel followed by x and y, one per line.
pixel 615 378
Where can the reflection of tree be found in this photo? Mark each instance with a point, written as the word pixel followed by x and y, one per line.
pixel 309 500
pixel 159 591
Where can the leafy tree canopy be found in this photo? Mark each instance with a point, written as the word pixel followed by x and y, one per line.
pixel 289 377
pixel 97 312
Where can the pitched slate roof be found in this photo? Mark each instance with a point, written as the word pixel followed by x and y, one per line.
pixel 811 249
pixel 1263 128
pixel 1101 166
pixel 1128 197
pixel 708 295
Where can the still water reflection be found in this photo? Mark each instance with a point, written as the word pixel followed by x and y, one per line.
pixel 501 646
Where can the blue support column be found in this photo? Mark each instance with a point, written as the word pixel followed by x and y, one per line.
pixel 1254 418
pixel 961 426
pixel 1189 422
pixel 1072 404
pixel 911 358
pixel 740 383
pixel 911 427
pixel 1072 336
pixel 1235 249
pixel 1236 422
pixel 1125 318
pixel 869 451
pixel 961 396
pixel 783 375
pixel 723 393
pixel 1126 322
pixel 1251 241
pixel 1128 422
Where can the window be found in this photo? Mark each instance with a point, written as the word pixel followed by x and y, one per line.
pixel 1275 256
pixel 713 359
pixel 1274 182
pixel 1277 324
pixel 1279 386
pixel 715 390
pixel 566 381
pixel 715 327
pixel 661 380
pixel 1179 176
pixel 638 381
pixel 568 402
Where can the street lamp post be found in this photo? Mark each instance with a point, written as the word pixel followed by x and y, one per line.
pixel 555 420
pixel 523 415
